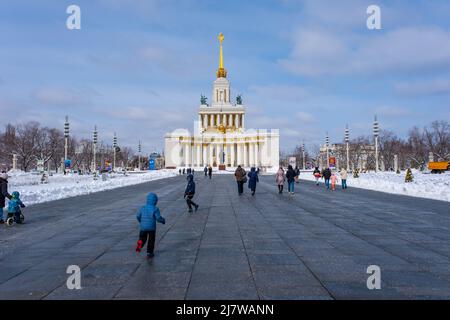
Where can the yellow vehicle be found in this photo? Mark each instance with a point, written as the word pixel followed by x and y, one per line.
pixel 439 167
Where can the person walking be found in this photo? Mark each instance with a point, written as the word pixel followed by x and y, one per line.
pixel 290 176
pixel 297 174
pixel 253 180
pixel 327 175
pixel 334 180
pixel 205 170
pixel 241 178
pixel 280 178
pixel 210 172
pixel 344 176
pixel 317 175
pixel 3 193
pixel 190 192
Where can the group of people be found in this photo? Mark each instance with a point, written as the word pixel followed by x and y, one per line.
pixel 149 214
pixel 331 178
pixel 186 170
pixel 208 171
pixel 242 177
pixel 291 175
pixel 14 204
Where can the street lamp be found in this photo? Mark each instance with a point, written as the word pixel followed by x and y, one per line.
pixel 94 146
pixel 303 152
pixel 327 143
pixel 66 141
pixel 347 139
pixel 376 131
pixel 115 148
pixel 139 155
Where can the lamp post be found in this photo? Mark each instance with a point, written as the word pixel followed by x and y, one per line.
pixel 139 155
pixel 347 139
pixel 66 141
pixel 303 153
pixel 115 148
pixel 376 130
pixel 94 146
pixel 327 143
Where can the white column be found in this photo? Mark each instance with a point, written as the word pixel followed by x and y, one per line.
pixel 211 154
pixel 252 154
pixel 218 154
pixel 205 159
pixel 233 155
pixel 256 155
pixel 245 155
pixel 239 154
pixel 197 160
pixel 187 155
pixel 219 119
pixel 243 121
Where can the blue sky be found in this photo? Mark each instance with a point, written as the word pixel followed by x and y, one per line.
pixel 138 67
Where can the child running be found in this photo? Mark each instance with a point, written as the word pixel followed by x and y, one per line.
pixel 190 192
pixel 147 216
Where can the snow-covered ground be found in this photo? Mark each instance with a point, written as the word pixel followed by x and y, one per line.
pixel 64 186
pixel 432 186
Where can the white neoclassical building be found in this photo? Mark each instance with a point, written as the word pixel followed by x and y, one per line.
pixel 220 138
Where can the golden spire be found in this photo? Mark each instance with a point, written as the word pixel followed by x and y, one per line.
pixel 221 72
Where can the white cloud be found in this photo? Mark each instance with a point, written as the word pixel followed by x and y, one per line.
pixel 279 92
pixel 391 111
pixel 430 87
pixel 305 117
pixel 318 52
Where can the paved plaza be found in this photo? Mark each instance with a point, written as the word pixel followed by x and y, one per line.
pixel 316 244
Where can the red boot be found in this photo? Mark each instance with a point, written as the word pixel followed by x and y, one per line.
pixel 139 246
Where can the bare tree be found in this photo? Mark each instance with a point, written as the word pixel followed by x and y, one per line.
pixel 437 139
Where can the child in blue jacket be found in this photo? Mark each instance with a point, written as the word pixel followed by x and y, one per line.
pixel 190 192
pixel 14 206
pixel 147 216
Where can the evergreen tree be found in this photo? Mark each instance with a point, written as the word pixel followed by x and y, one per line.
pixel 409 177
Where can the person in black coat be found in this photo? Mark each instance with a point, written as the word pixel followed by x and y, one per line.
pixel 3 193
pixel 210 172
pixel 190 192
pixel 327 175
pixel 290 176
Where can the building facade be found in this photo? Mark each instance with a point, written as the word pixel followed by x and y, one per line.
pixel 220 138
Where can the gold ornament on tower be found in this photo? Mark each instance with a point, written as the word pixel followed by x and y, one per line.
pixel 222 128
pixel 221 72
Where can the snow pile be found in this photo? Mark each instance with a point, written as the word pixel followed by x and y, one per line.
pixel 431 186
pixel 64 186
